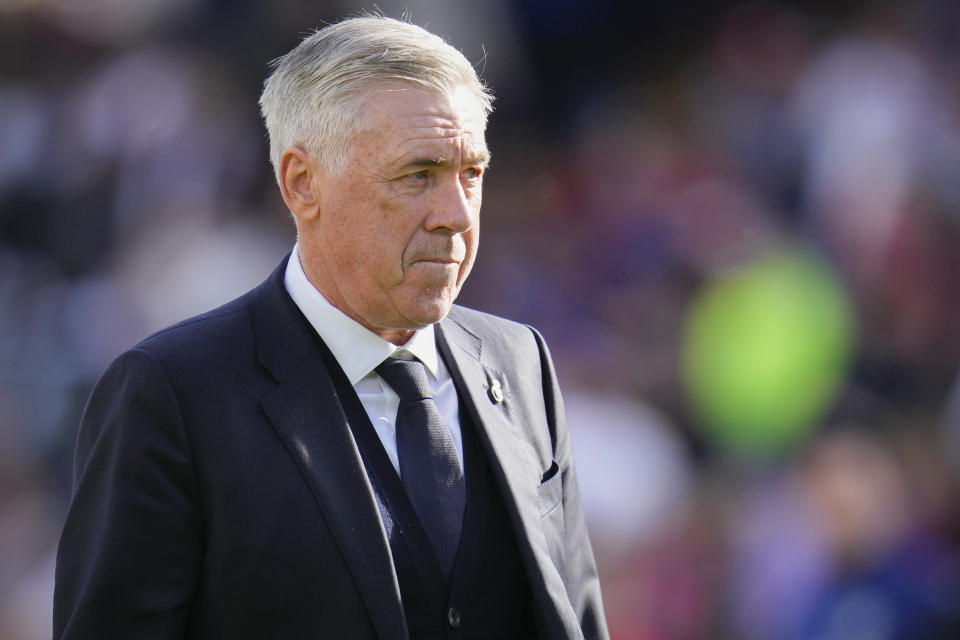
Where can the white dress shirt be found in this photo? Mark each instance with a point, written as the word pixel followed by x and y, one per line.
pixel 359 351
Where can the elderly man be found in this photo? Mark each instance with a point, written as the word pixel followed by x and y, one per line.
pixel 341 452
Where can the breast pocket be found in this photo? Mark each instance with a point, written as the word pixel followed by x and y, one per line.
pixel 550 503
pixel 550 493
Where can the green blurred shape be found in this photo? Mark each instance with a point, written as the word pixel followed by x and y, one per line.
pixel 765 351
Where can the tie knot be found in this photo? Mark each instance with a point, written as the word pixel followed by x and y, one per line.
pixel 408 378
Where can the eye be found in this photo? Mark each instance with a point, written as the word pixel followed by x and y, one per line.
pixel 472 173
pixel 419 176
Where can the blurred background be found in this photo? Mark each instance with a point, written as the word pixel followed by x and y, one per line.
pixel 737 225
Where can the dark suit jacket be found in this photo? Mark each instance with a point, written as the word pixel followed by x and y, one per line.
pixel 219 492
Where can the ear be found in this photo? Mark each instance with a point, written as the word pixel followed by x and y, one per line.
pixel 299 184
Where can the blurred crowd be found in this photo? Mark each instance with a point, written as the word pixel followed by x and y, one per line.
pixel 762 455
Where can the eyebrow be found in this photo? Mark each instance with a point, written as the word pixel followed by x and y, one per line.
pixel 481 158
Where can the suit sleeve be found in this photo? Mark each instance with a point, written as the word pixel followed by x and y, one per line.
pixel 579 567
pixel 130 553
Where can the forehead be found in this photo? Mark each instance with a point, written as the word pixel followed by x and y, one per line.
pixel 403 117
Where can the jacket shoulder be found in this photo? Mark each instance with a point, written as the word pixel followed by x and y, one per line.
pixel 488 326
pixel 503 340
pixel 211 329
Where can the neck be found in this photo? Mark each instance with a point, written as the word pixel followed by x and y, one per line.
pixel 315 275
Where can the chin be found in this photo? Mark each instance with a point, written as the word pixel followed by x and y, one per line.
pixel 421 303
pixel 433 316
pixel 429 312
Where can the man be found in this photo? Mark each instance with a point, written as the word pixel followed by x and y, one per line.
pixel 341 452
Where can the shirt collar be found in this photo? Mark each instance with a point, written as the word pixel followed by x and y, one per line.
pixel 357 349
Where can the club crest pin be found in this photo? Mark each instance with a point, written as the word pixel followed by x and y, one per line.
pixel 495 391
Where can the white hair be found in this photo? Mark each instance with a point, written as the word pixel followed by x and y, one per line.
pixel 314 96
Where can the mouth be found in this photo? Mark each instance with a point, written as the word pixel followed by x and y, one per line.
pixel 444 258
pixel 438 260
pixel 446 253
pixel 446 266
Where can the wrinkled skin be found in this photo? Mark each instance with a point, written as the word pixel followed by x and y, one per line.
pixel 390 239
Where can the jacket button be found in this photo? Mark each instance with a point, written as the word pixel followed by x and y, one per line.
pixel 453 617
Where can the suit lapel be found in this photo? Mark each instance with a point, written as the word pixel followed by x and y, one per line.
pixel 307 415
pixel 515 467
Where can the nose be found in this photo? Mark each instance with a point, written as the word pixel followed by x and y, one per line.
pixel 451 207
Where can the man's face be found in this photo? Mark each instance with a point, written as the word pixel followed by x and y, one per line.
pixel 397 229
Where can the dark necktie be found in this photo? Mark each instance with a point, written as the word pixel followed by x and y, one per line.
pixel 429 467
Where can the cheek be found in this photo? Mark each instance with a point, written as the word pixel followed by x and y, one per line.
pixel 368 233
pixel 472 238
pixel 393 235
pixel 474 233
pixel 385 243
